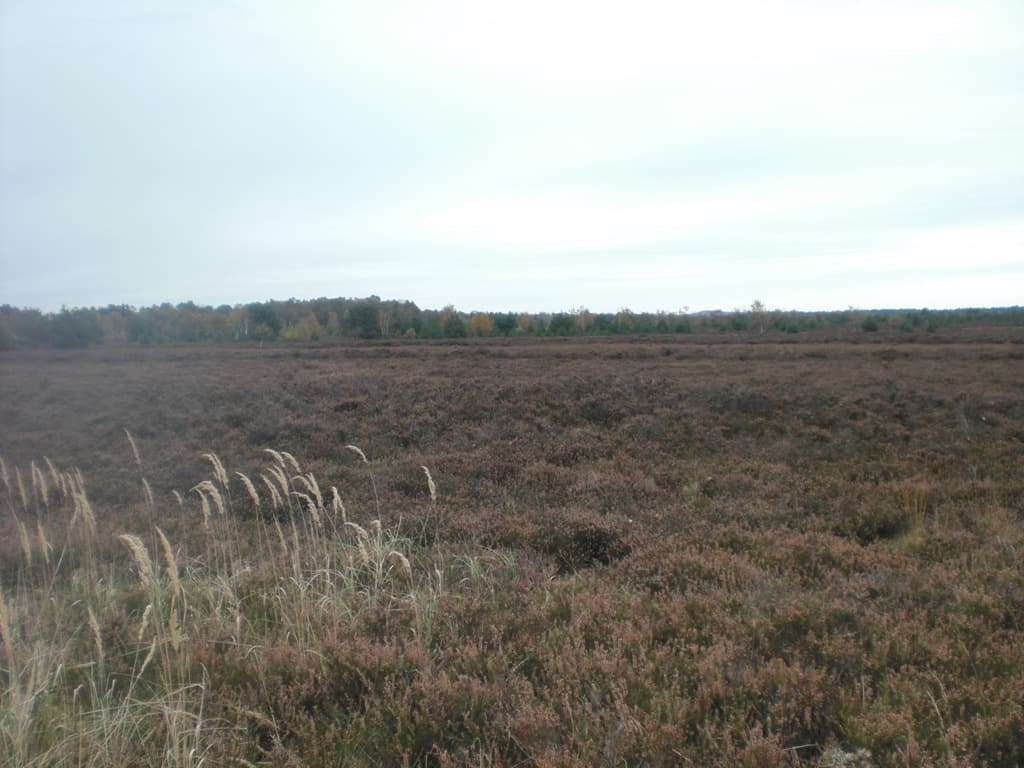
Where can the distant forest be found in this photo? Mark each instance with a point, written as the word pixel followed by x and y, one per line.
pixel 374 318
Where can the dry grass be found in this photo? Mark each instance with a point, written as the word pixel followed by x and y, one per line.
pixel 661 554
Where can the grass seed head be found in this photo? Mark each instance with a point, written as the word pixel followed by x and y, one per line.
pixel 291 461
pixel 360 531
pixel 172 564
pixel 147 491
pixel 213 491
pixel 142 560
pixel 5 629
pixel 275 495
pixel 145 622
pixel 310 506
pixel 21 489
pixel 39 485
pixel 282 480
pixel 218 469
pixel 314 489
pixel 250 489
pixel 430 484
pixel 135 449
pixel 204 505
pixel 44 542
pixel 54 474
pixel 97 636
pixel 400 563
pixel 358 452
pixel 26 544
pixel 149 658
pixel 83 508
pixel 280 537
pixel 336 503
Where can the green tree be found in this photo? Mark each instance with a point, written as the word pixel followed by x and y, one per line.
pixel 75 328
pixel 454 327
pixel 562 324
pixel 504 323
pixel 264 322
pixel 624 321
pixel 6 336
pixel 364 320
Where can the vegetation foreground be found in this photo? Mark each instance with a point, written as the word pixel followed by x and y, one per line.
pixel 648 552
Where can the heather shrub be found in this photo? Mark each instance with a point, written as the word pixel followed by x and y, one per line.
pixel 579 544
pixel 872 521
pixel 787 551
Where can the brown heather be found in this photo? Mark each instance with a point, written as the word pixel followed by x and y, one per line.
pixel 777 550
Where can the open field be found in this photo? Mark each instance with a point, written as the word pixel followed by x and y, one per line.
pixel 648 551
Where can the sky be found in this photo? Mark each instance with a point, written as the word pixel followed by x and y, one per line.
pixel 537 155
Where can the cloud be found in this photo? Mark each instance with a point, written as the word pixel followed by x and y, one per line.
pixel 655 149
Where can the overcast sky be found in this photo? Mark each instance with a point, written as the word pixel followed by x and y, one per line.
pixel 532 155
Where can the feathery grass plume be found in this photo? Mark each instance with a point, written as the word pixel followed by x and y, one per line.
pixel 149 658
pixel 145 622
pixel 276 456
pixel 360 531
pixel 218 469
pixel 336 504
pixel 376 527
pixel 44 543
pixel 250 489
pixel 282 480
pixel 176 637
pixel 310 505
pixel 39 485
pixel 83 508
pixel 26 544
pixel 214 493
pixel 3 474
pixel 362 543
pixel 309 482
pixel 97 636
pixel 21 489
pixel 314 486
pixel 76 504
pixel 5 631
pixel 147 491
pixel 275 496
pixel 178 497
pixel 358 452
pixel 172 564
pixel 400 563
pixel 430 483
pixel 302 479
pixel 204 506
pixel 135 449
pixel 87 514
pixel 291 460
pixel 55 476
pixel 142 560
pixel 281 538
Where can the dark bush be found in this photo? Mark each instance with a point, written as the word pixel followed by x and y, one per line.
pixel 578 546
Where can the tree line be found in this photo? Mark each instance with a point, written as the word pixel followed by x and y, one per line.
pixel 373 317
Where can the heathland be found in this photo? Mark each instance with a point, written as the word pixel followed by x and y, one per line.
pixel 746 549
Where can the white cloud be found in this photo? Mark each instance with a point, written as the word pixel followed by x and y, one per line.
pixel 653 148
